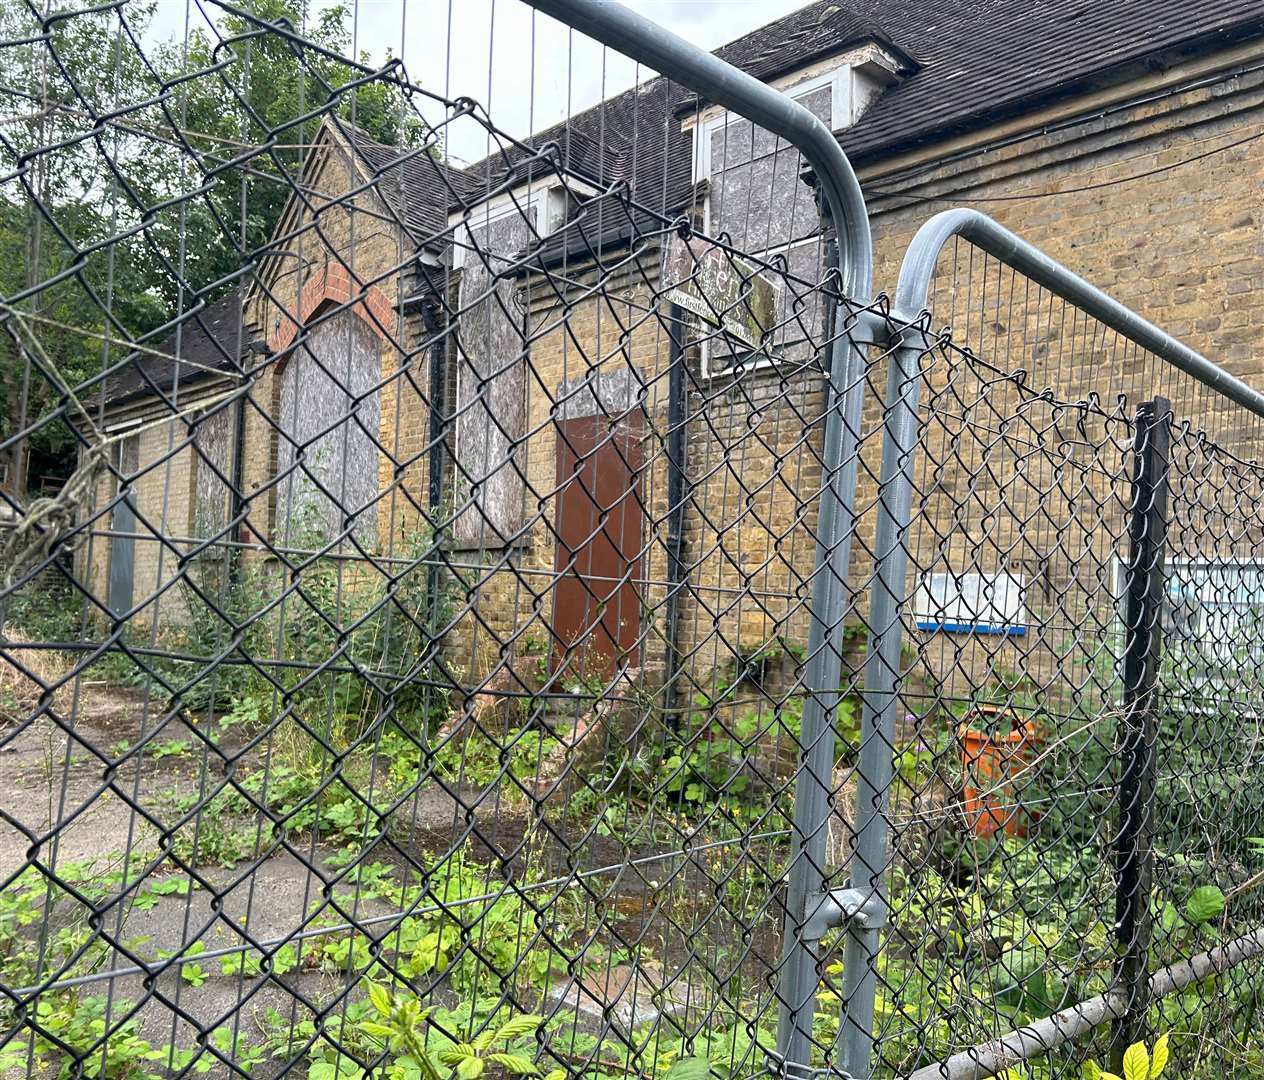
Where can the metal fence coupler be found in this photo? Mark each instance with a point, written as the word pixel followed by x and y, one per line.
pixel 829 910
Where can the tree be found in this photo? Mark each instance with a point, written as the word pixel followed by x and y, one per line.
pixel 109 230
pixel 278 89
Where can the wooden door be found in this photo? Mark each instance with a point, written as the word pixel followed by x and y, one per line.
pixel 597 598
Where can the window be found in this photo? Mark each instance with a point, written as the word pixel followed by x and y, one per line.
pixel 329 421
pixel 1213 616
pixel 488 491
pixel 1213 613
pixel 1214 604
pixel 757 198
pixel 971 603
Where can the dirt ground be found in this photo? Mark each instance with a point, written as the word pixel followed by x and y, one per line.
pixel 69 811
pixel 76 800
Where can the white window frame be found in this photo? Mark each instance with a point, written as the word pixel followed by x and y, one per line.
pixel 495 209
pixel 547 199
pixel 942 603
pixel 839 79
pixel 1204 605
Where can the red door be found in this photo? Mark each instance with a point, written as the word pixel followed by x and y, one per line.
pixel 596 601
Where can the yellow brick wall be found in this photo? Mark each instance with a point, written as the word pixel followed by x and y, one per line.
pixel 164 498
pixel 163 495
pixel 753 463
pixel 370 247
pixel 1129 201
pixel 1181 246
pixel 509 597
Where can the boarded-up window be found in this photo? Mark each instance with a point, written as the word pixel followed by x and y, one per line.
pixel 490 387
pixel 327 455
pixel 757 196
pixel 757 192
pixel 213 440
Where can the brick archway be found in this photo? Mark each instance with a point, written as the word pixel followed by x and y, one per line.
pixel 335 285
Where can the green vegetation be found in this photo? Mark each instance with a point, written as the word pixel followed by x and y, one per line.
pixel 1009 927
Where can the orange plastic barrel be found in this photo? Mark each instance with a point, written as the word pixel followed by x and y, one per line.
pixel 992 764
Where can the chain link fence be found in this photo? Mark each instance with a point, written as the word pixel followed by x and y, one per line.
pixel 1074 799
pixel 419 571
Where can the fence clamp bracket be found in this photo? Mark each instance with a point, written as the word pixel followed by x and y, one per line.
pixel 865 908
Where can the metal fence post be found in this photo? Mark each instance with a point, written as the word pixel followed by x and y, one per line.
pixel 875 767
pixel 1143 651
pixel 845 218
pixel 677 485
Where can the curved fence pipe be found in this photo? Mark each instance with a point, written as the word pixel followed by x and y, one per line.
pixel 707 75
pixel 987 235
pixel 899 455
pixel 846 220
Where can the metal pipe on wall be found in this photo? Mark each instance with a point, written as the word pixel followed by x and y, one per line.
pixel 438 421
pixel 677 447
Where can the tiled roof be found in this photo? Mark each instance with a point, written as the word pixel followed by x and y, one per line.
pixel 964 63
pixel 418 187
pixel 632 137
pixel 206 342
pixel 813 31
pixel 981 60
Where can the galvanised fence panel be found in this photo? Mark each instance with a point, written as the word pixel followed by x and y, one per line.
pixel 1062 670
pixel 406 665
pixel 488 604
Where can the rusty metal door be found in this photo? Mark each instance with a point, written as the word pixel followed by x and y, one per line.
pixel 597 606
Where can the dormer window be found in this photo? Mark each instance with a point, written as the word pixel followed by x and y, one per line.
pixel 755 194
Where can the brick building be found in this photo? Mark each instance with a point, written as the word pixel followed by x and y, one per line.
pixel 1122 139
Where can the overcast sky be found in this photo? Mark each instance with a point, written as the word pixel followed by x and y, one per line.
pixel 569 72
pixel 539 72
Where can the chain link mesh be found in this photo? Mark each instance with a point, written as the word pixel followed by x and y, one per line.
pixel 1025 931
pixel 405 656
pixel 411 677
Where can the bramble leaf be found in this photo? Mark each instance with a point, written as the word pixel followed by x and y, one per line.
pixel 693 1068
pixel 517 1027
pixel 517 1064
pixel 1204 904
pixel 381 998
